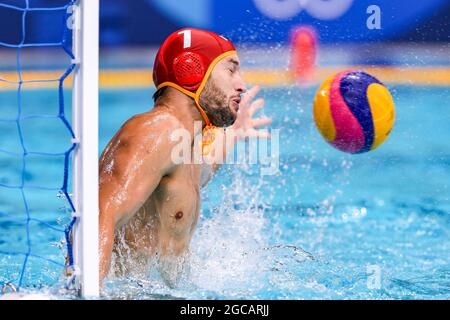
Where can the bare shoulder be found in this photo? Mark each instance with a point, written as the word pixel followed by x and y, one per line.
pixel 145 136
pixel 157 122
pixel 153 129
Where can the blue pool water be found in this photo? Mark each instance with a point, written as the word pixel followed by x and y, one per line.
pixel 327 226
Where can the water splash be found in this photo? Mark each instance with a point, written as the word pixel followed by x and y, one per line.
pixel 231 256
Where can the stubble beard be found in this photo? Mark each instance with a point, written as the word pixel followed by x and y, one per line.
pixel 216 105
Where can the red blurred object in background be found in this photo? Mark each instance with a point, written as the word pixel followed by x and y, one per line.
pixel 303 53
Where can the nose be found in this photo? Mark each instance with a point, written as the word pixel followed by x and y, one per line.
pixel 240 85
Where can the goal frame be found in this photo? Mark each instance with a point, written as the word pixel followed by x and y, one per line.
pixel 85 101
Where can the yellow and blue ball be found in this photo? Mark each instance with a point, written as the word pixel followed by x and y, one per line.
pixel 354 111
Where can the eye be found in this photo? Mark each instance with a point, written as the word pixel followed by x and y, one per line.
pixel 231 70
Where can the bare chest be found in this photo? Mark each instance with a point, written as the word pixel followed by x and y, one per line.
pixel 180 191
pixel 171 211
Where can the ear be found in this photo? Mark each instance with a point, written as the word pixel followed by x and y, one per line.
pixel 189 70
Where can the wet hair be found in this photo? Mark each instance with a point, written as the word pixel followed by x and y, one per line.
pixel 159 93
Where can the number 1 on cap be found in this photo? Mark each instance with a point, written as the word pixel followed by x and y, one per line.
pixel 187 38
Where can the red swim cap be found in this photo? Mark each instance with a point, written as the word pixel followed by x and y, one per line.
pixel 185 61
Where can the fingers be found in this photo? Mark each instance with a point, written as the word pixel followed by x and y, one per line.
pixel 256 105
pixel 261 122
pixel 250 95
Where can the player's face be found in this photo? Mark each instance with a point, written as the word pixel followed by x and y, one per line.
pixel 222 93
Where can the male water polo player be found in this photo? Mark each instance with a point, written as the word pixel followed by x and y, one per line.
pixel 149 205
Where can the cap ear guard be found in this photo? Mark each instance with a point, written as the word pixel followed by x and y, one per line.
pixel 189 70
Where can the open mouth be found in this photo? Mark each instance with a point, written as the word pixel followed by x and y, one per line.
pixel 235 103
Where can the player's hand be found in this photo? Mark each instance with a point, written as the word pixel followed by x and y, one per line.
pixel 245 125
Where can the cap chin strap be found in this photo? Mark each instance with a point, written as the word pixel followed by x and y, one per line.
pixel 195 96
pixel 207 139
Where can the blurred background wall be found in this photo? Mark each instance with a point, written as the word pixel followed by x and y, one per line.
pixel 412 36
pixel 148 22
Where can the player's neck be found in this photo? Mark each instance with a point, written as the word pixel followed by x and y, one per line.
pixel 183 107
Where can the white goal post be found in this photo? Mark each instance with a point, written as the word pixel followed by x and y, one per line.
pixel 85 159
